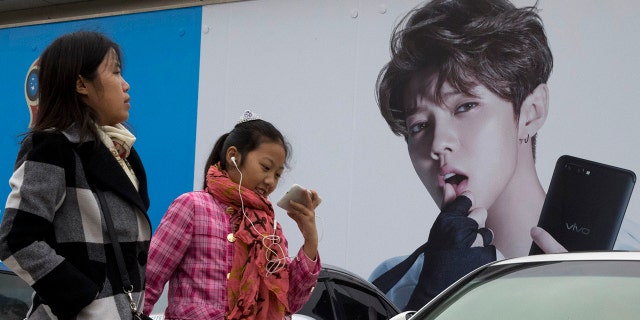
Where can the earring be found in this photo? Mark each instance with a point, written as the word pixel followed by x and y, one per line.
pixel 525 140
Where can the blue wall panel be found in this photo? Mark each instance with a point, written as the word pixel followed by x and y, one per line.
pixel 161 63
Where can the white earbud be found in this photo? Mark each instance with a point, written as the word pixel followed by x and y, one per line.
pixel 233 159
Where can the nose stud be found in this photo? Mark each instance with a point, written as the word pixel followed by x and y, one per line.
pixel 435 156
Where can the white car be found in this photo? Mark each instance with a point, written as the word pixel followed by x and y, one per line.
pixel 578 285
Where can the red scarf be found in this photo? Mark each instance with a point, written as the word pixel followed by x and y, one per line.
pixel 252 291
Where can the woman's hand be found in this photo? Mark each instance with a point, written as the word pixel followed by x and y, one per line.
pixel 546 242
pixel 305 217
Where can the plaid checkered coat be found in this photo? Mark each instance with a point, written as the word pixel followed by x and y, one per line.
pixel 53 234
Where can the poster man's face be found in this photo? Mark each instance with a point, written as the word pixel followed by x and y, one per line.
pixel 468 141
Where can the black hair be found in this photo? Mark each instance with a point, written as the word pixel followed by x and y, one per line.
pixel 69 56
pixel 246 137
pixel 466 42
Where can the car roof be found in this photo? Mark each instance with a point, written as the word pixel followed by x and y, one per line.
pixel 553 257
pixel 332 271
pixel 574 256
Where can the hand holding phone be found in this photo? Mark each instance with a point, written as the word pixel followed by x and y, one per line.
pixel 296 193
pixel 545 242
pixel 585 204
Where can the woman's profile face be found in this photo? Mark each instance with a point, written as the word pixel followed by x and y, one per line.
pixel 467 141
pixel 108 94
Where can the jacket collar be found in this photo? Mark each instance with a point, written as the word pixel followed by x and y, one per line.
pixel 103 170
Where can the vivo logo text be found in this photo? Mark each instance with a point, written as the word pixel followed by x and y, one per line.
pixel 575 228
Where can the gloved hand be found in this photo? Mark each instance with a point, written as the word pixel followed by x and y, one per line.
pixel 456 227
pixel 458 243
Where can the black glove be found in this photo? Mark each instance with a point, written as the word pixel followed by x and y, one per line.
pixel 448 254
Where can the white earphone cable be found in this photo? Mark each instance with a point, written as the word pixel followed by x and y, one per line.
pixel 275 263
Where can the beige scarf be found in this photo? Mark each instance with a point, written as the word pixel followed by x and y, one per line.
pixel 119 141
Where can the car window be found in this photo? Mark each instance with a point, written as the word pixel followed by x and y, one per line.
pixel 15 296
pixel 360 303
pixel 319 305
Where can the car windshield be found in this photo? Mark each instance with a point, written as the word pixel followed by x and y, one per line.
pixel 553 290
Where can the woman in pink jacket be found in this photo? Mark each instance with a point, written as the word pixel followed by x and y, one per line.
pixel 221 249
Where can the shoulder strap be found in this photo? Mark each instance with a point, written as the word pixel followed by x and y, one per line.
pixel 387 280
pixel 117 250
pixel 127 288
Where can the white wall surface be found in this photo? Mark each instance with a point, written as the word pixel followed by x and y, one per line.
pixel 309 67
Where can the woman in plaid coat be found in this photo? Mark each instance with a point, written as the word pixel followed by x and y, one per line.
pixel 53 233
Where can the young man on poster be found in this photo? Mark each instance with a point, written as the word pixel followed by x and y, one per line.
pixel 466 88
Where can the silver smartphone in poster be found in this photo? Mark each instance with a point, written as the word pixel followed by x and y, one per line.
pixel 585 204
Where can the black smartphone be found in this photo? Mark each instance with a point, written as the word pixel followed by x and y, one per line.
pixel 585 204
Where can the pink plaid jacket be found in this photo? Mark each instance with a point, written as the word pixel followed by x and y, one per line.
pixel 190 249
